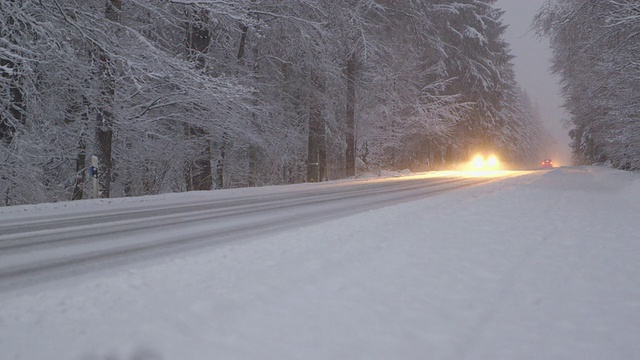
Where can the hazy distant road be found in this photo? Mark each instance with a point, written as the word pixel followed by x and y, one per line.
pixel 36 248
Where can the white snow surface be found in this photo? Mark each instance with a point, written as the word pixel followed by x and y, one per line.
pixel 542 266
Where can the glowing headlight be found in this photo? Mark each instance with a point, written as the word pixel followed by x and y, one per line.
pixel 478 162
pixel 481 163
pixel 492 161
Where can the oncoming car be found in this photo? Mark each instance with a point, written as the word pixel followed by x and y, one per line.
pixel 547 163
pixel 485 162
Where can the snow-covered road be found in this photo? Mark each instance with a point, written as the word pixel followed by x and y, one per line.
pixel 36 247
pixel 538 266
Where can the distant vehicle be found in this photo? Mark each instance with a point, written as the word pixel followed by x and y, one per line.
pixel 547 163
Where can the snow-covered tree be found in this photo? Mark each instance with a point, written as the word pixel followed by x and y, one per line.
pixel 596 46
pixel 405 114
pixel 176 95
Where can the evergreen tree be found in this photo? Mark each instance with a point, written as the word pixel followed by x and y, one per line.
pixel 595 47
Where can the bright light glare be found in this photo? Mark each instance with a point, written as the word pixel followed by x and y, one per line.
pixel 493 161
pixel 480 163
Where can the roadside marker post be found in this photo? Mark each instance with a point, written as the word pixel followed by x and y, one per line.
pixel 93 171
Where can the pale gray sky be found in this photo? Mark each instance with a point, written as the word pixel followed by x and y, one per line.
pixel 532 63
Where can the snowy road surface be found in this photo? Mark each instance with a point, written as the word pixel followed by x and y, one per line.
pixel 538 266
pixel 43 247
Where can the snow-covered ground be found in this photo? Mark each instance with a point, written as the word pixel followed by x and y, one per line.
pixel 541 266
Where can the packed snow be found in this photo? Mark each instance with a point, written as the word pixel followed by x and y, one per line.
pixel 540 266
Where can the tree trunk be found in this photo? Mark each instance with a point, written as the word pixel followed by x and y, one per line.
pixel 252 176
pixel 317 148
pixel 243 41
pixel 104 132
pixel 199 38
pixel 322 150
pixel 187 175
pixel 313 156
pixel 17 108
pixel 252 180
pixel 220 163
pixel 104 128
pixel 201 171
pixel 199 174
pixel 198 170
pixel 350 118
pixel 104 138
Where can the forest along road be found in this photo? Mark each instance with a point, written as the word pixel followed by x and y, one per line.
pixel 36 248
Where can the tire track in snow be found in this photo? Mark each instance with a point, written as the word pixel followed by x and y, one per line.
pixel 279 213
